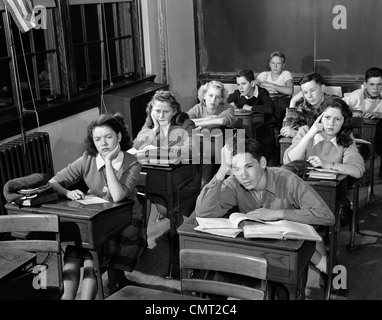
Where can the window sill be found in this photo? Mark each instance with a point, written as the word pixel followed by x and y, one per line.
pixel 57 110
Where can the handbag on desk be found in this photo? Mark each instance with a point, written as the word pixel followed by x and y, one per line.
pixel 298 167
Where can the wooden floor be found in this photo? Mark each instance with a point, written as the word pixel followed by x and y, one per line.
pixel 363 264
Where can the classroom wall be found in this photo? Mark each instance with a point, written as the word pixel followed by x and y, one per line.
pixel 66 137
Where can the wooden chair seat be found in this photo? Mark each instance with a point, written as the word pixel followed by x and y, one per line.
pixel 142 293
pixel 43 235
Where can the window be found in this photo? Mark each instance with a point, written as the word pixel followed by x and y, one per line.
pixel 36 62
pixel 103 45
pixel 62 69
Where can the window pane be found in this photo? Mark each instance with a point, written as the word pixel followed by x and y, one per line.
pixel 27 82
pixel 39 40
pixel 79 56
pixel 25 38
pixel 128 58
pixel 125 13
pixel 91 18
pixel 46 67
pixel 5 84
pixel 109 20
pixel 95 62
pixel 111 59
pixel 76 24
pixel 3 47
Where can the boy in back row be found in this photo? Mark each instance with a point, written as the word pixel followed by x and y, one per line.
pixel 251 97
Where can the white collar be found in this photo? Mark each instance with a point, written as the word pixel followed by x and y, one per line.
pixel 318 138
pixel 255 93
pixel 116 163
pixel 165 129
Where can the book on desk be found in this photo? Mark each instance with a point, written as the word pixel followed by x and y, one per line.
pixel 319 173
pixel 252 227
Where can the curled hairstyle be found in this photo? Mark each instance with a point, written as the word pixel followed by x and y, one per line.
pixel 315 76
pixel 212 84
pixel 165 96
pixel 373 73
pixel 114 122
pixel 277 54
pixel 343 136
pixel 252 147
pixel 247 74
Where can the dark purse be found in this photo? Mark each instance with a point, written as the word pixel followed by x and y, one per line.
pixel 298 167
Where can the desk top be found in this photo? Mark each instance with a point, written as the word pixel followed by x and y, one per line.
pixel 72 209
pixel 187 229
pixel 327 182
pixel 12 259
pixel 243 112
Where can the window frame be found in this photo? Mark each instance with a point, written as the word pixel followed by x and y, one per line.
pixel 71 101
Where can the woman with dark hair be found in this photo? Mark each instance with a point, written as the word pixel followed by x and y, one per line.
pixel 108 171
pixel 168 133
pixel 327 142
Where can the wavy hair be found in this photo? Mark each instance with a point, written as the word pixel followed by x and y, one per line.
pixel 277 54
pixel 166 96
pixel 212 84
pixel 115 122
pixel 344 135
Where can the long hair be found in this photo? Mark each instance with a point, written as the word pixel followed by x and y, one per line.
pixel 115 122
pixel 212 84
pixel 344 135
pixel 178 117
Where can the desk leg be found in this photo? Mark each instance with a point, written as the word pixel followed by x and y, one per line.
pixel 332 258
pixel 172 217
pixel 98 274
pixel 370 191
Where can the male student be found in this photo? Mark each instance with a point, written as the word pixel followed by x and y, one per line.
pixel 269 193
pixel 368 101
pixel 303 104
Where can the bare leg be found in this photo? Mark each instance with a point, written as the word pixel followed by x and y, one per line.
pixel 319 257
pixel 89 281
pixel 71 278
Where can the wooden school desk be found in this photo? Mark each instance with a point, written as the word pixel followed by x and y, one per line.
pixel 249 120
pixel 331 191
pixel 281 103
pixel 287 259
pixel 369 129
pixel 86 226
pixel 165 182
pixel 12 260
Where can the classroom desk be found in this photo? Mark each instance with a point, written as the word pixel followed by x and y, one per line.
pixel 369 129
pixel 249 120
pixel 12 260
pixel 287 259
pixel 331 191
pixel 281 103
pixel 165 183
pixel 284 144
pixel 86 226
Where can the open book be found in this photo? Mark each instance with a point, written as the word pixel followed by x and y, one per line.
pixel 255 228
pixel 320 173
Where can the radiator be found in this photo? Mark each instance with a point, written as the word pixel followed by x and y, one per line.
pixel 12 161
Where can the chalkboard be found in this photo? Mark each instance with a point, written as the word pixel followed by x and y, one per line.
pixel 240 34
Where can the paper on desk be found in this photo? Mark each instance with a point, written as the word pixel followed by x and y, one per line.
pixel 92 199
